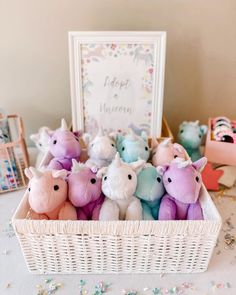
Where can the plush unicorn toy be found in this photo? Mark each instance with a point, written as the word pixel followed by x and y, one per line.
pixel 118 185
pixel 132 147
pixel 101 149
pixel 85 191
pixel 165 151
pixel 190 136
pixel 41 140
pixel 150 190
pixel 182 181
pixel 64 146
pixel 48 194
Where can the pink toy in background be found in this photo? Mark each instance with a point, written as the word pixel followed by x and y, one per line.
pixel 85 191
pixel 64 146
pixel 165 151
pixel 48 195
pixel 182 181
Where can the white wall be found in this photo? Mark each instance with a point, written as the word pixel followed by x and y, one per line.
pixel 201 53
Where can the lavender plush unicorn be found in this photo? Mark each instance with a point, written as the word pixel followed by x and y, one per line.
pixel 132 147
pixel 85 191
pixel 64 146
pixel 101 149
pixel 182 181
pixel 190 136
pixel 48 195
pixel 150 190
pixel 118 185
pixel 165 151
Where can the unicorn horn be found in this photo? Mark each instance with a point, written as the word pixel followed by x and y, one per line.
pixel 64 124
pixel 76 166
pixel 166 141
pixel 101 131
pixel 117 161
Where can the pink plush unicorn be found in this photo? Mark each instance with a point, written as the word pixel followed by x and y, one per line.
pixel 182 181
pixel 64 146
pixel 165 151
pixel 48 194
pixel 85 191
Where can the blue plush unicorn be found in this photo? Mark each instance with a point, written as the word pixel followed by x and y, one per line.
pixel 150 190
pixel 132 147
pixel 190 136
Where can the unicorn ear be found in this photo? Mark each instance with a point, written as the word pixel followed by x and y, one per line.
pixel 200 164
pixel 64 124
pixel 166 141
pixel 45 135
pixel 196 123
pixel 113 135
pixel 87 138
pixel 34 137
pixel 137 166
pixel 203 129
pixel 162 169
pixel 59 174
pixel 101 172
pixel 28 173
pixel 144 136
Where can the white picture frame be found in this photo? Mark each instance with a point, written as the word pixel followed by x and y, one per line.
pixel 117 78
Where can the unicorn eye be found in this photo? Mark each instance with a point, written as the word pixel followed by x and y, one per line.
pixel 169 180
pixel 146 148
pixel 55 141
pixel 200 135
pixel 29 189
pixel 123 148
pixel 5 136
pixel 175 156
pixel 77 138
pixel 181 131
pixel 158 179
pixel 130 176
pixel 197 179
pixel 112 144
pixel 56 187
pixel 40 144
pixel 105 178
pixel 93 180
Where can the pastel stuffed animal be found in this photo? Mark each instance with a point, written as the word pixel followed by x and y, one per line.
pixel 182 181
pixel 48 195
pixel 101 149
pixel 132 147
pixel 85 191
pixel 165 151
pixel 64 146
pixel 150 190
pixel 41 140
pixel 190 136
pixel 118 185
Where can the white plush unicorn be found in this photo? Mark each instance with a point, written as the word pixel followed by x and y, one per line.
pixel 101 149
pixel 118 185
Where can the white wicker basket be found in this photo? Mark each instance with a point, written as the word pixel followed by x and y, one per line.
pixel 118 246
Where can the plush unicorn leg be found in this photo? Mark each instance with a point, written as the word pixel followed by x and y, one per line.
pixel 147 212
pixel 134 210
pixel 109 211
pixel 195 212
pixel 67 212
pixel 167 209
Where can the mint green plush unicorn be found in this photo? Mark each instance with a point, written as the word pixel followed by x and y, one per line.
pixel 150 190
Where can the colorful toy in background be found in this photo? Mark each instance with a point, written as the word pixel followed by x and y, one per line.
pixel 64 145
pixel 118 185
pixel 150 190
pixel 132 147
pixel 101 148
pixel 85 191
pixel 182 181
pixel 8 170
pixel 165 151
pixel 224 130
pixel 41 140
pixel 190 136
pixel 48 195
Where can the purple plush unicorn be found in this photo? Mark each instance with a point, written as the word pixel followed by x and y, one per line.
pixel 182 181
pixel 85 191
pixel 64 146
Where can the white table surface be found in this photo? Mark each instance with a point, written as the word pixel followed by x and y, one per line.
pixel 15 278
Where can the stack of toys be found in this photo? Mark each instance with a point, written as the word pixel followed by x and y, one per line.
pixel 122 179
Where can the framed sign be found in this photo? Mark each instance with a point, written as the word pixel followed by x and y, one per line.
pixel 117 80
